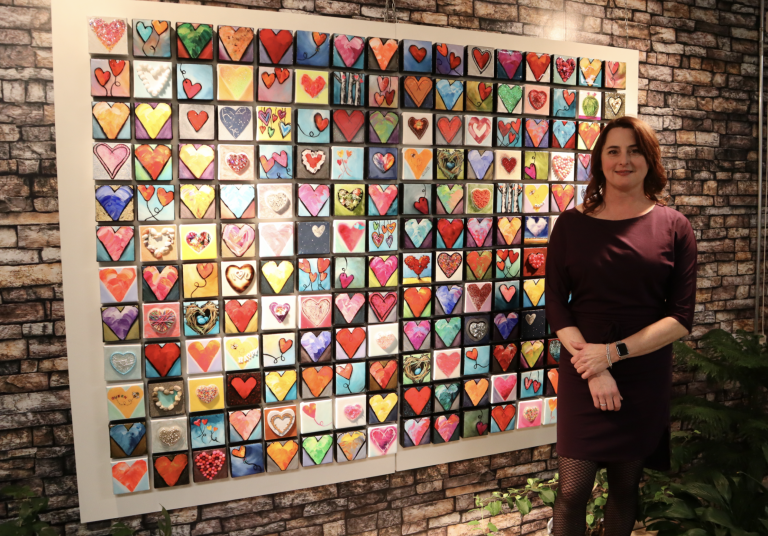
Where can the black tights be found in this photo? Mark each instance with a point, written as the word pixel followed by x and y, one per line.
pixel 577 477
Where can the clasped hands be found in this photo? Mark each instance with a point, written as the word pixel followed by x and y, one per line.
pixel 590 361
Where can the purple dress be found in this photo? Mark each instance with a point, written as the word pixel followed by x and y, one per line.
pixel 621 276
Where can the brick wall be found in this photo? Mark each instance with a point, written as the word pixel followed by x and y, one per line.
pixel 698 88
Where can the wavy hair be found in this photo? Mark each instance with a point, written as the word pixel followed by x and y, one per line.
pixel 648 145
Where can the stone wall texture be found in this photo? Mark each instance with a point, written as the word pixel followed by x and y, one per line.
pixel 698 89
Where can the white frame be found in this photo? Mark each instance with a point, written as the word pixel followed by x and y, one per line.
pixel 80 281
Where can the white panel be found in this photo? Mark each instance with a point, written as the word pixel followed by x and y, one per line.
pixel 80 272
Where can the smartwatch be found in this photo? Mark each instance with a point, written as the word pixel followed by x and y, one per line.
pixel 621 349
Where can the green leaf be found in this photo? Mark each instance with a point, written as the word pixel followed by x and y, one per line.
pixel 17 492
pixel 740 532
pixel 704 491
pixel 165 525
pixel 494 508
pixel 695 532
pixel 590 519
pixel 678 509
pixel 473 523
pixel 524 505
pixel 492 527
pixel 718 517
pixel 547 497
pixel 723 486
pixel 121 529
pixel 600 501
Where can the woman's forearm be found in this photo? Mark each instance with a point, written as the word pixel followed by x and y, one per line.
pixel 589 359
pixel 569 334
pixel 651 338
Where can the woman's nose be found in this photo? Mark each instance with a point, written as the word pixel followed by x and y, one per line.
pixel 624 157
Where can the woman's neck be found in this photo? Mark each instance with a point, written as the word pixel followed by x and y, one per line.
pixel 619 205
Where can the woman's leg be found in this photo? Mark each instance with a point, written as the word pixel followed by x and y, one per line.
pixel 577 477
pixel 621 509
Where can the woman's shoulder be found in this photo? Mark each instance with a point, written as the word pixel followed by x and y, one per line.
pixel 569 214
pixel 566 220
pixel 676 218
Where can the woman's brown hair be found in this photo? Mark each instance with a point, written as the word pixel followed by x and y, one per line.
pixel 647 144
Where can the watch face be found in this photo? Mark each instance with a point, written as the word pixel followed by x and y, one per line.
pixel 621 349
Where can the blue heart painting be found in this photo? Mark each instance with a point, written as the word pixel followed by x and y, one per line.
pixel 480 162
pixel 128 436
pixel 505 324
pixel 449 297
pixel 114 201
pixel 565 134
pixel 235 120
pixel 450 91
pixel 417 231
pixel 315 345
pixel 237 198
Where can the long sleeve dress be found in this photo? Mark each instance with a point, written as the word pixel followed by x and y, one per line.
pixel 620 276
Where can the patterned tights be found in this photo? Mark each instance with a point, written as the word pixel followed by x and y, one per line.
pixel 576 480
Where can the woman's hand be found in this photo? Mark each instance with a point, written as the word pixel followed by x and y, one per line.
pixel 605 393
pixel 589 359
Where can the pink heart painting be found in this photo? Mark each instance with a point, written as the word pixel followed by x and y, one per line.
pixel 112 157
pixel 383 438
pixel 238 238
pixel 276 237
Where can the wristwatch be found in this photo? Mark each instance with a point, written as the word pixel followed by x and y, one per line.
pixel 621 349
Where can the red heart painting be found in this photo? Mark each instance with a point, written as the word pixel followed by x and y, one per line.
pixel 349 122
pixel 162 358
pixel 276 44
pixel 241 315
pixel 350 341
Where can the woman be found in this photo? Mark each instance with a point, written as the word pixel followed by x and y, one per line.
pixel 628 265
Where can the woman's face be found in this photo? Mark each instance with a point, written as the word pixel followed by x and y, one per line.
pixel 624 166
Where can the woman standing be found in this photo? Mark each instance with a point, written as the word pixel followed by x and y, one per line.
pixel 628 266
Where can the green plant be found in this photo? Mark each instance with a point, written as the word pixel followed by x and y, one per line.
pixel 492 505
pixel 720 457
pixel 121 529
pixel 727 437
pixel 165 526
pixel 547 492
pixel 724 506
pixel 30 507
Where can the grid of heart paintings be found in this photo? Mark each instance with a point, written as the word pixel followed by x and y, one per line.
pixel 315 248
